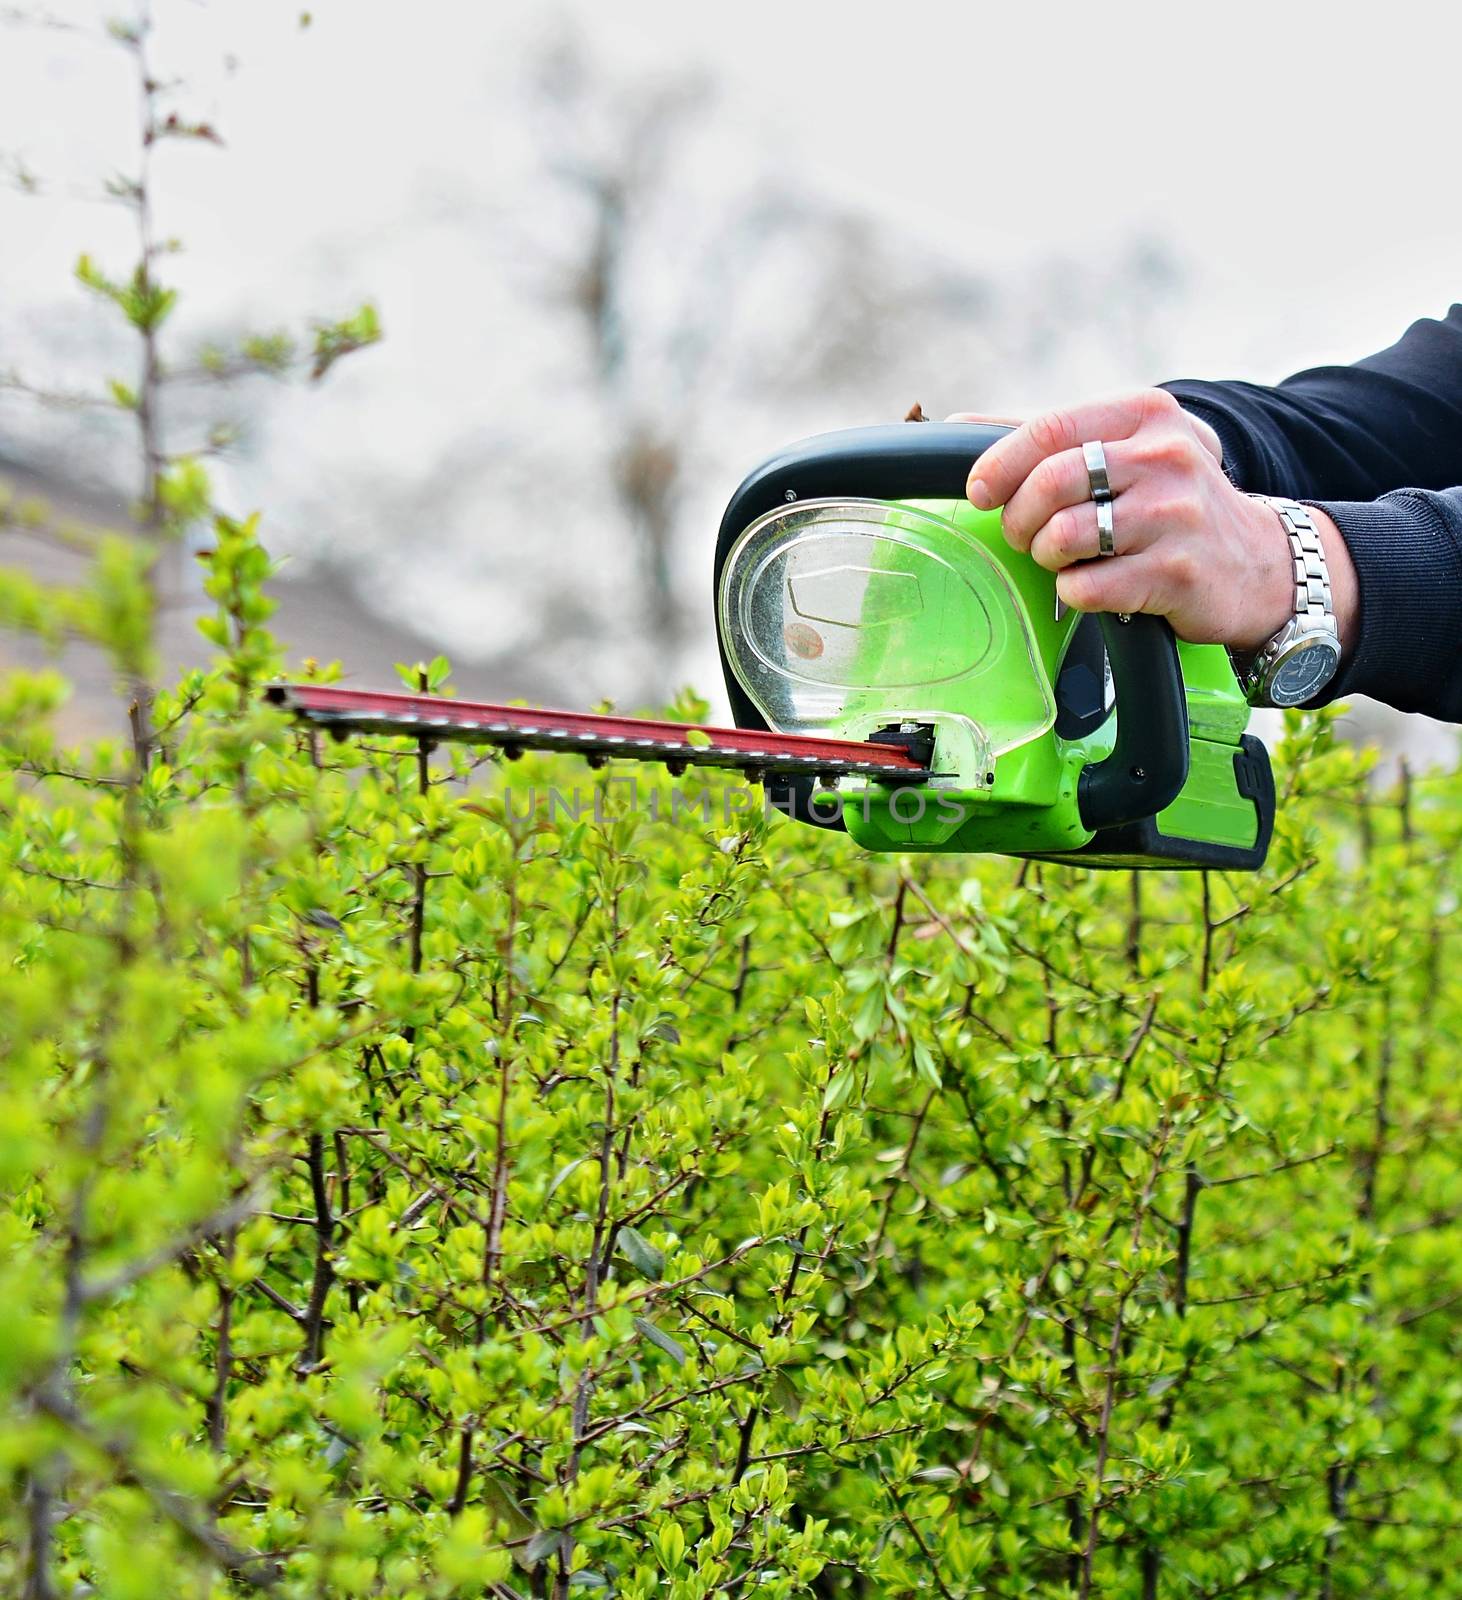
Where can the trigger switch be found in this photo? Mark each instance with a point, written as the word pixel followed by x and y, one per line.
pixel 1081 691
pixel 1080 702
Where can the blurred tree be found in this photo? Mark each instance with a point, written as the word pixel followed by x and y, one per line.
pixel 709 300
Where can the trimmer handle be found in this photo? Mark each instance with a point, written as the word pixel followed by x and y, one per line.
pixel 1148 765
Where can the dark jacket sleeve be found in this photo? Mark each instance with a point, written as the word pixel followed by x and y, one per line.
pixel 1377 445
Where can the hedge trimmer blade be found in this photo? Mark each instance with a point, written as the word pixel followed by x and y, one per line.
pixel 894 755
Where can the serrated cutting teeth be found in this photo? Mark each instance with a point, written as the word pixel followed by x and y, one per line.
pixel 600 739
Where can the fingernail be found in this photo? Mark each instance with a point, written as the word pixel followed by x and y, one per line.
pixel 980 494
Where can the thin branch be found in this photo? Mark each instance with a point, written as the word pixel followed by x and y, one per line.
pixel 313 1321
pixel 57 399
pixel 1269 1172
pixel 275 1298
pixel 930 1563
pixel 67 880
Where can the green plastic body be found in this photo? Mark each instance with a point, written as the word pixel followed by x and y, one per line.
pixel 1031 807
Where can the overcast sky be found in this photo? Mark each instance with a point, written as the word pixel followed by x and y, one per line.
pixel 1302 158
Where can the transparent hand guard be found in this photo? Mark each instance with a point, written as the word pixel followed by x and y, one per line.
pixel 837 615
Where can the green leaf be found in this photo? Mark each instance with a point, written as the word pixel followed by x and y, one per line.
pixel 868 1018
pixel 565 1171
pixel 641 1253
pixel 925 1065
pixel 784 1393
pixel 335 340
pixel 839 1089
pixel 546 1542
pixel 504 1504
pixel 661 1341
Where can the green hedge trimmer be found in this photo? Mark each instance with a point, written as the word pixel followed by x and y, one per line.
pixel 896 670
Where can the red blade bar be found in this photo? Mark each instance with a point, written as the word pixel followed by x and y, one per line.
pixel 515 728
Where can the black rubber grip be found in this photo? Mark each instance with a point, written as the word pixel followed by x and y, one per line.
pixel 1148 765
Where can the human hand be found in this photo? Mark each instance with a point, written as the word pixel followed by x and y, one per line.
pixel 1190 547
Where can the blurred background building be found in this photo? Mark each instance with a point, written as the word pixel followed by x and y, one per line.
pixel 620 253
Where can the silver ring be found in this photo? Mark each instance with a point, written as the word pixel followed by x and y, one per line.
pixel 1096 471
pixel 1106 530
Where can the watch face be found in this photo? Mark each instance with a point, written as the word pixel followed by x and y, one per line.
pixel 1303 673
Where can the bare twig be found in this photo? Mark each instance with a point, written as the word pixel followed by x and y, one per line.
pixel 313 1321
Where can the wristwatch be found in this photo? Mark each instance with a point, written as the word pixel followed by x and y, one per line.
pixel 1303 656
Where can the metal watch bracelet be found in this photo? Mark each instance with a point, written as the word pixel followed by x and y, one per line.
pixel 1314 609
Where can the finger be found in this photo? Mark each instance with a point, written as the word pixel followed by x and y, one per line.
pixel 1151 580
pixel 1058 482
pixel 1072 535
pixel 980 416
pixel 998 473
pixel 1207 437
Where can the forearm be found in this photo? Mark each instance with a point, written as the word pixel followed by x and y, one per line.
pixel 1404 556
pixel 1395 569
pixel 1390 421
pixel 1344 582
pixel 1376 449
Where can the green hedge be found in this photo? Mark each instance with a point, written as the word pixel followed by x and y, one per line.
pixel 411 1190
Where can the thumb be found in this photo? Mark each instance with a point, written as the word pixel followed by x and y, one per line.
pixel 981 416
